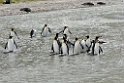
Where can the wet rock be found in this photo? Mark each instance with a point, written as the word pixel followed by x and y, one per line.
pixel 25 10
pixel 6 2
pixel 101 3
pixel 88 3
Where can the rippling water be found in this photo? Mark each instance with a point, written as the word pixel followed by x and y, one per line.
pixel 31 63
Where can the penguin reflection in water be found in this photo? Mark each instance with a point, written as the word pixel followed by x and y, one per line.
pixel 45 31
pixel 33 33
pixel 11 44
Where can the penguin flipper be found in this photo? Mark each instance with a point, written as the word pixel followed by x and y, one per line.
pixel 69 31
pixel 42 30
pixel 59 46
pixel 100 50
pixel 61 52
pixel 67 49
pixel 70 43
pixel 93 46
pixel 15 44
pixel 59 43
pixel 49 30
pixel 88 48
pixel 101 42
pixel 61 31
pixel 52 48
pixel 81 46
pixel 6 45
pixel 16 34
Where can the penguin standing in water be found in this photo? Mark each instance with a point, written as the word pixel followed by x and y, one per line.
pixel 83 45
pixel 13 33
pixel 64 47
pixel 45 31
pixel 96 48
pixel 56 45
pixel 11 44
pixel 88 43
pixel 33 33
pixel 65 31
pixel 67 40
pixel 77 46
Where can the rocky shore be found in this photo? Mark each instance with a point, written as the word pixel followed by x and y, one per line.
pixel 47 5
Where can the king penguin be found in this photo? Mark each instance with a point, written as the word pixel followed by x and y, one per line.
pixel 33 33
pixel 56 45
pixel 45 31
pixel 83 45
pixel 88 43
pixel 64 47
pixel 77 46
pixel 96 48
pixel 11 44
pixel 65 31
pixel 13 33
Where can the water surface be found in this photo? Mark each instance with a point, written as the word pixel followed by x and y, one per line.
pixel 31 63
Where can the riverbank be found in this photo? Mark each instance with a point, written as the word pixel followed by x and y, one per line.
pixel 47 5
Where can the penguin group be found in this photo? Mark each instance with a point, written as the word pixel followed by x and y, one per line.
pixel 62 44
pixel 11 44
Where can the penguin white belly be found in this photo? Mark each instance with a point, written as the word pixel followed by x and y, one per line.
pixel 45 32
pixel 88 43
pixel 77 48
pixel 96 48
pixel 65 31
pixel 84 46
pixel 64 49
pixel 11 45
pixel 13 35
pixel 55 47
pixel 34 33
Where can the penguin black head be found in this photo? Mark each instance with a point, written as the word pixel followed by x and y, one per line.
pixel 10 37
pixel 45 25
pixel 93 41
pixel 12 29
pixel 87 36
pixel 65 27
pixel 97 37
pixel 76 39
pixel 57 34
pixel 55 38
